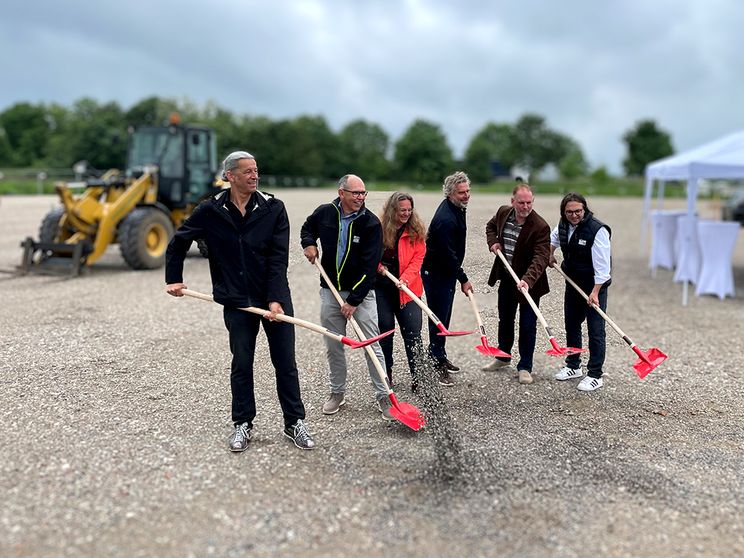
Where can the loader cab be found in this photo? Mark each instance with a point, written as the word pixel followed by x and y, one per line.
pixel 186 157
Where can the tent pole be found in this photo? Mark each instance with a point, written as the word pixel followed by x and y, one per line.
pixel 648 190
pixel 692 187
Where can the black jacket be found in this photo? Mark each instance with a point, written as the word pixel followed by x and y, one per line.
pixel 364 249
pixel 445 242
pixel 248 264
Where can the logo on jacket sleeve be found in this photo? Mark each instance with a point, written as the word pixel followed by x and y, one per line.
pixel 355 240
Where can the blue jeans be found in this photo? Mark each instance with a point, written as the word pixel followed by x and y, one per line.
pixel 508 303
pixel 576 310
pixel 440 293
pixel 409 319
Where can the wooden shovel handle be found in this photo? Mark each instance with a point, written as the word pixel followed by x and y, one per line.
pixel 586 297
pixel 420 303
pixel 471 297
pixel 279 317
pixel 524 292
pixel 370 352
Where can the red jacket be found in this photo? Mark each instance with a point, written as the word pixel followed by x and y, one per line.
pixel 410 257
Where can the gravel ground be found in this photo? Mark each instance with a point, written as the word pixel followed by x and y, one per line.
pixel 115 413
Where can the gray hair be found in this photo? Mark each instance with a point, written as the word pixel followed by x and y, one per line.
pixel 231 161
pixel 343 182
pixel 452 181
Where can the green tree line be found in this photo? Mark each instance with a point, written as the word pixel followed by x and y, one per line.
pixel 56 136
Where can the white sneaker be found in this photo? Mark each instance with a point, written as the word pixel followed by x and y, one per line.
pixel 589 384
pixel 567 373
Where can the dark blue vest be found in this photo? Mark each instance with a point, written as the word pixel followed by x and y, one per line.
pixel 577 253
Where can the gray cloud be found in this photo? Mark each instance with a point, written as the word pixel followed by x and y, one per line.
pixel 593 69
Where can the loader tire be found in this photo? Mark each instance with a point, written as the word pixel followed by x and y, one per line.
pixel 201 244
pixel 49 228
pixel 143 237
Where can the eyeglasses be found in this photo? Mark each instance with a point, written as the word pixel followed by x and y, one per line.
pixel 361 194
pixel 570 212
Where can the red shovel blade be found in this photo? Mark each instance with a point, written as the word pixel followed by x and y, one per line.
pixel 486 349
pixel 354 344
pixel 648 361
pixel 444 331
pixel 406 413
pixel 557 350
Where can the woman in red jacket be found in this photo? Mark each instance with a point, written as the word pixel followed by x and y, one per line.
pixel 404 242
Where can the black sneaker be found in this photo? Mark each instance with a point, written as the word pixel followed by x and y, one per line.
pixel 299 435
pixel 444 378
pixel 451 367
pixel 240 437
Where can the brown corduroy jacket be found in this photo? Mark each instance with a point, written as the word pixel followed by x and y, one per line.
pixel 531 254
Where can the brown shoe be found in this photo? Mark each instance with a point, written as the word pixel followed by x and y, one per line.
pixel 496 365
pixel 451 367
pixel 444 378
pixel 525 377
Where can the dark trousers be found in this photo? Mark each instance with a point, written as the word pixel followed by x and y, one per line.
pixel 440 293
pixel 576 310
pixel 508 303
pixel 243 329
pixel 409 320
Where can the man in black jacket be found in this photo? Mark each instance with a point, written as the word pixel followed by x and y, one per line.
pixel 247 238
pixel 442 267
pixel 351 238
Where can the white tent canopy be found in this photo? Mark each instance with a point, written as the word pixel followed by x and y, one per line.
pixel 723 159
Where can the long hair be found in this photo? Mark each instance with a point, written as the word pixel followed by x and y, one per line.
pixel 415 226
pixel 572 197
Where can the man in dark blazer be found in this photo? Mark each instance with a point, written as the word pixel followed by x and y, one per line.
pixel 524 239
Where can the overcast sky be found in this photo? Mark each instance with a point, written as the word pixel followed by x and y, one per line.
pixel 592 68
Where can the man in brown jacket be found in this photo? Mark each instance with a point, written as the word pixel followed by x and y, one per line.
pixel 524 239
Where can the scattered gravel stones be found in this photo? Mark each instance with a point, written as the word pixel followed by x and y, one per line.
pixel 115 414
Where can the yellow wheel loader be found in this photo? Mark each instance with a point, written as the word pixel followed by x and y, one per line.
pixel 169 170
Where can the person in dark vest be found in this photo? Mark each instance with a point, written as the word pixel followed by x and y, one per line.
pixel 524 239
pixel 585 243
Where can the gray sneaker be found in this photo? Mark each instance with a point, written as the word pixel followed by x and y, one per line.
pixel 334 403
pixel 299 435
pixel 240 437
pixel 384 406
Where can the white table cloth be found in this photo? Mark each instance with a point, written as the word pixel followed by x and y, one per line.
pixel 663 233
pixel 717 242
pixel 687 250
